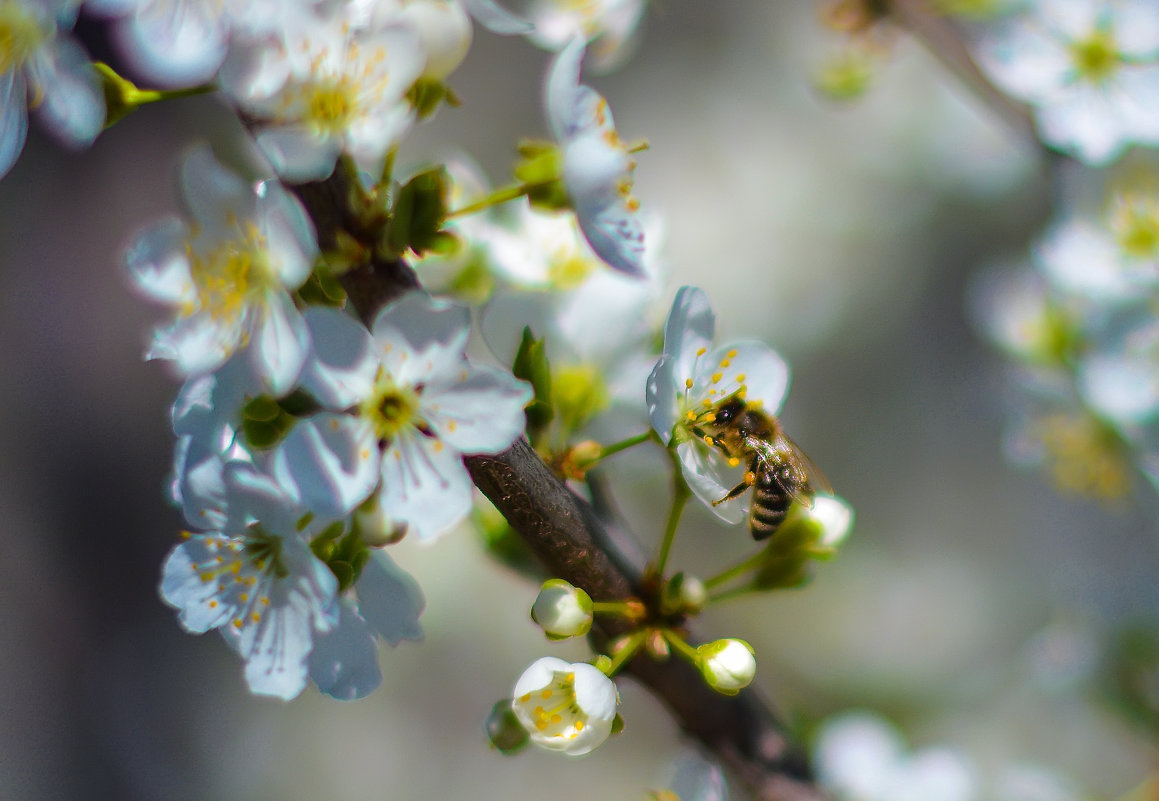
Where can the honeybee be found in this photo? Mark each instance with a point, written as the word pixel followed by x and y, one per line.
pixel 779 472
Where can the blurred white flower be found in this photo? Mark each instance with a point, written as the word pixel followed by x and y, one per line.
pixel 609 27
pixel 228 273
pixel 565 707
pixel 329 88
pixel 43 68
pixel 859 756
pixel 1089 68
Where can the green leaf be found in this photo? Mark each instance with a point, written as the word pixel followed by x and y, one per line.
pixel 418 213
pixel 532 366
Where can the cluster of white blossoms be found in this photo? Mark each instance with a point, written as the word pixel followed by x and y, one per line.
pixel 1077 320
pixel 1088 68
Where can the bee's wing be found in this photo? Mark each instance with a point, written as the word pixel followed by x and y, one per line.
pixel 805 478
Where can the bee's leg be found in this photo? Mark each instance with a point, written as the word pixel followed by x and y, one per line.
pixel 750 478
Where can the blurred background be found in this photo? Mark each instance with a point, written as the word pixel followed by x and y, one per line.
pixel 972 604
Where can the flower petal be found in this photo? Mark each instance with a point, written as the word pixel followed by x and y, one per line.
pixel 419 338
pixel 158 265
pixel 342 365
pixel 344 661
pixel 424 484
pixel 13 119
pixel 390 599
pixel 74 108
pixel 708 476
pixel 280 343
pixel 482 413
pixel 176 43
pixel 331 462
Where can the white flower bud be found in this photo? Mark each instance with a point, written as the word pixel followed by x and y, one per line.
pixel 728 666
pixel 562 610
pixel 835 518
pixel 445 31
pixel 565 707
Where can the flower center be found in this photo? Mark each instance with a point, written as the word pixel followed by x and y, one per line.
pixel 554 710
pixel 331 105
pixel 1135 222
pixel 390 407
pixel 232 273
pixel 1082 456
pixel 568 269
pixel 20 35
pixel 237 565
pixel 1096 57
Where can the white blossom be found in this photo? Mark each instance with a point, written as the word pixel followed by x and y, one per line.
pixel 691 377
pixel 1089 68
pixel 565 707
pixel 228 272
pixel 42 67
pixel 410 389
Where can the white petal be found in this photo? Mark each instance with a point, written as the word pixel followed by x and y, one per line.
pixel 617 236
pixel 13 119
pixel 419 337
pixel 482 413
pixel 766 375
pixel 298 155
pixel 1085 123
pixel 332 463
pixel 199 484
pixel 663 399
pixel 73 108
pixel 175 43
pixel 689 328
pixel 562 91
pixel 342 365
pixel 158 264
pixel 216 198
pixel 344 661
pixel 390 599
pixel 276 648
pixel 183 588
pixel 1081 259
pixel 497 19
pixel 1123 387
pixel 251 495
pixel 424 484
pixel 196 344
pixel 288 233
pixel 708 476
pixel 539 674
pixel 280 343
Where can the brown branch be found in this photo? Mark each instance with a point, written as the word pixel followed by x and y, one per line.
pixel 567 536
pixel 945 42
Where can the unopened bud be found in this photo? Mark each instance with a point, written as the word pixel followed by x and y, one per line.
pixel 562 610
pixel 728 666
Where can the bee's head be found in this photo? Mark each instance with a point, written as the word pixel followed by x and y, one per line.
pixel 729 410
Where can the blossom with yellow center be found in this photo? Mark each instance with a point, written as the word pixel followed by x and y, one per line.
pixel 259 584
pixel 43 69
pixel 414 404
pixel 228 273
pixel 691 378
pixel 1089 69
pixel 338 88
pixel 565 707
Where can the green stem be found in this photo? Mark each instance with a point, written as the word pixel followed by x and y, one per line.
pixel 623 445
pixel 631 646
pixel 494 199
pixel 615 608
pixel 680 646
pixel 751 563
pixel 680 495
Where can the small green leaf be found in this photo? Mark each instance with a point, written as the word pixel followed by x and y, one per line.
pixel 532 366
pixel 418 213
